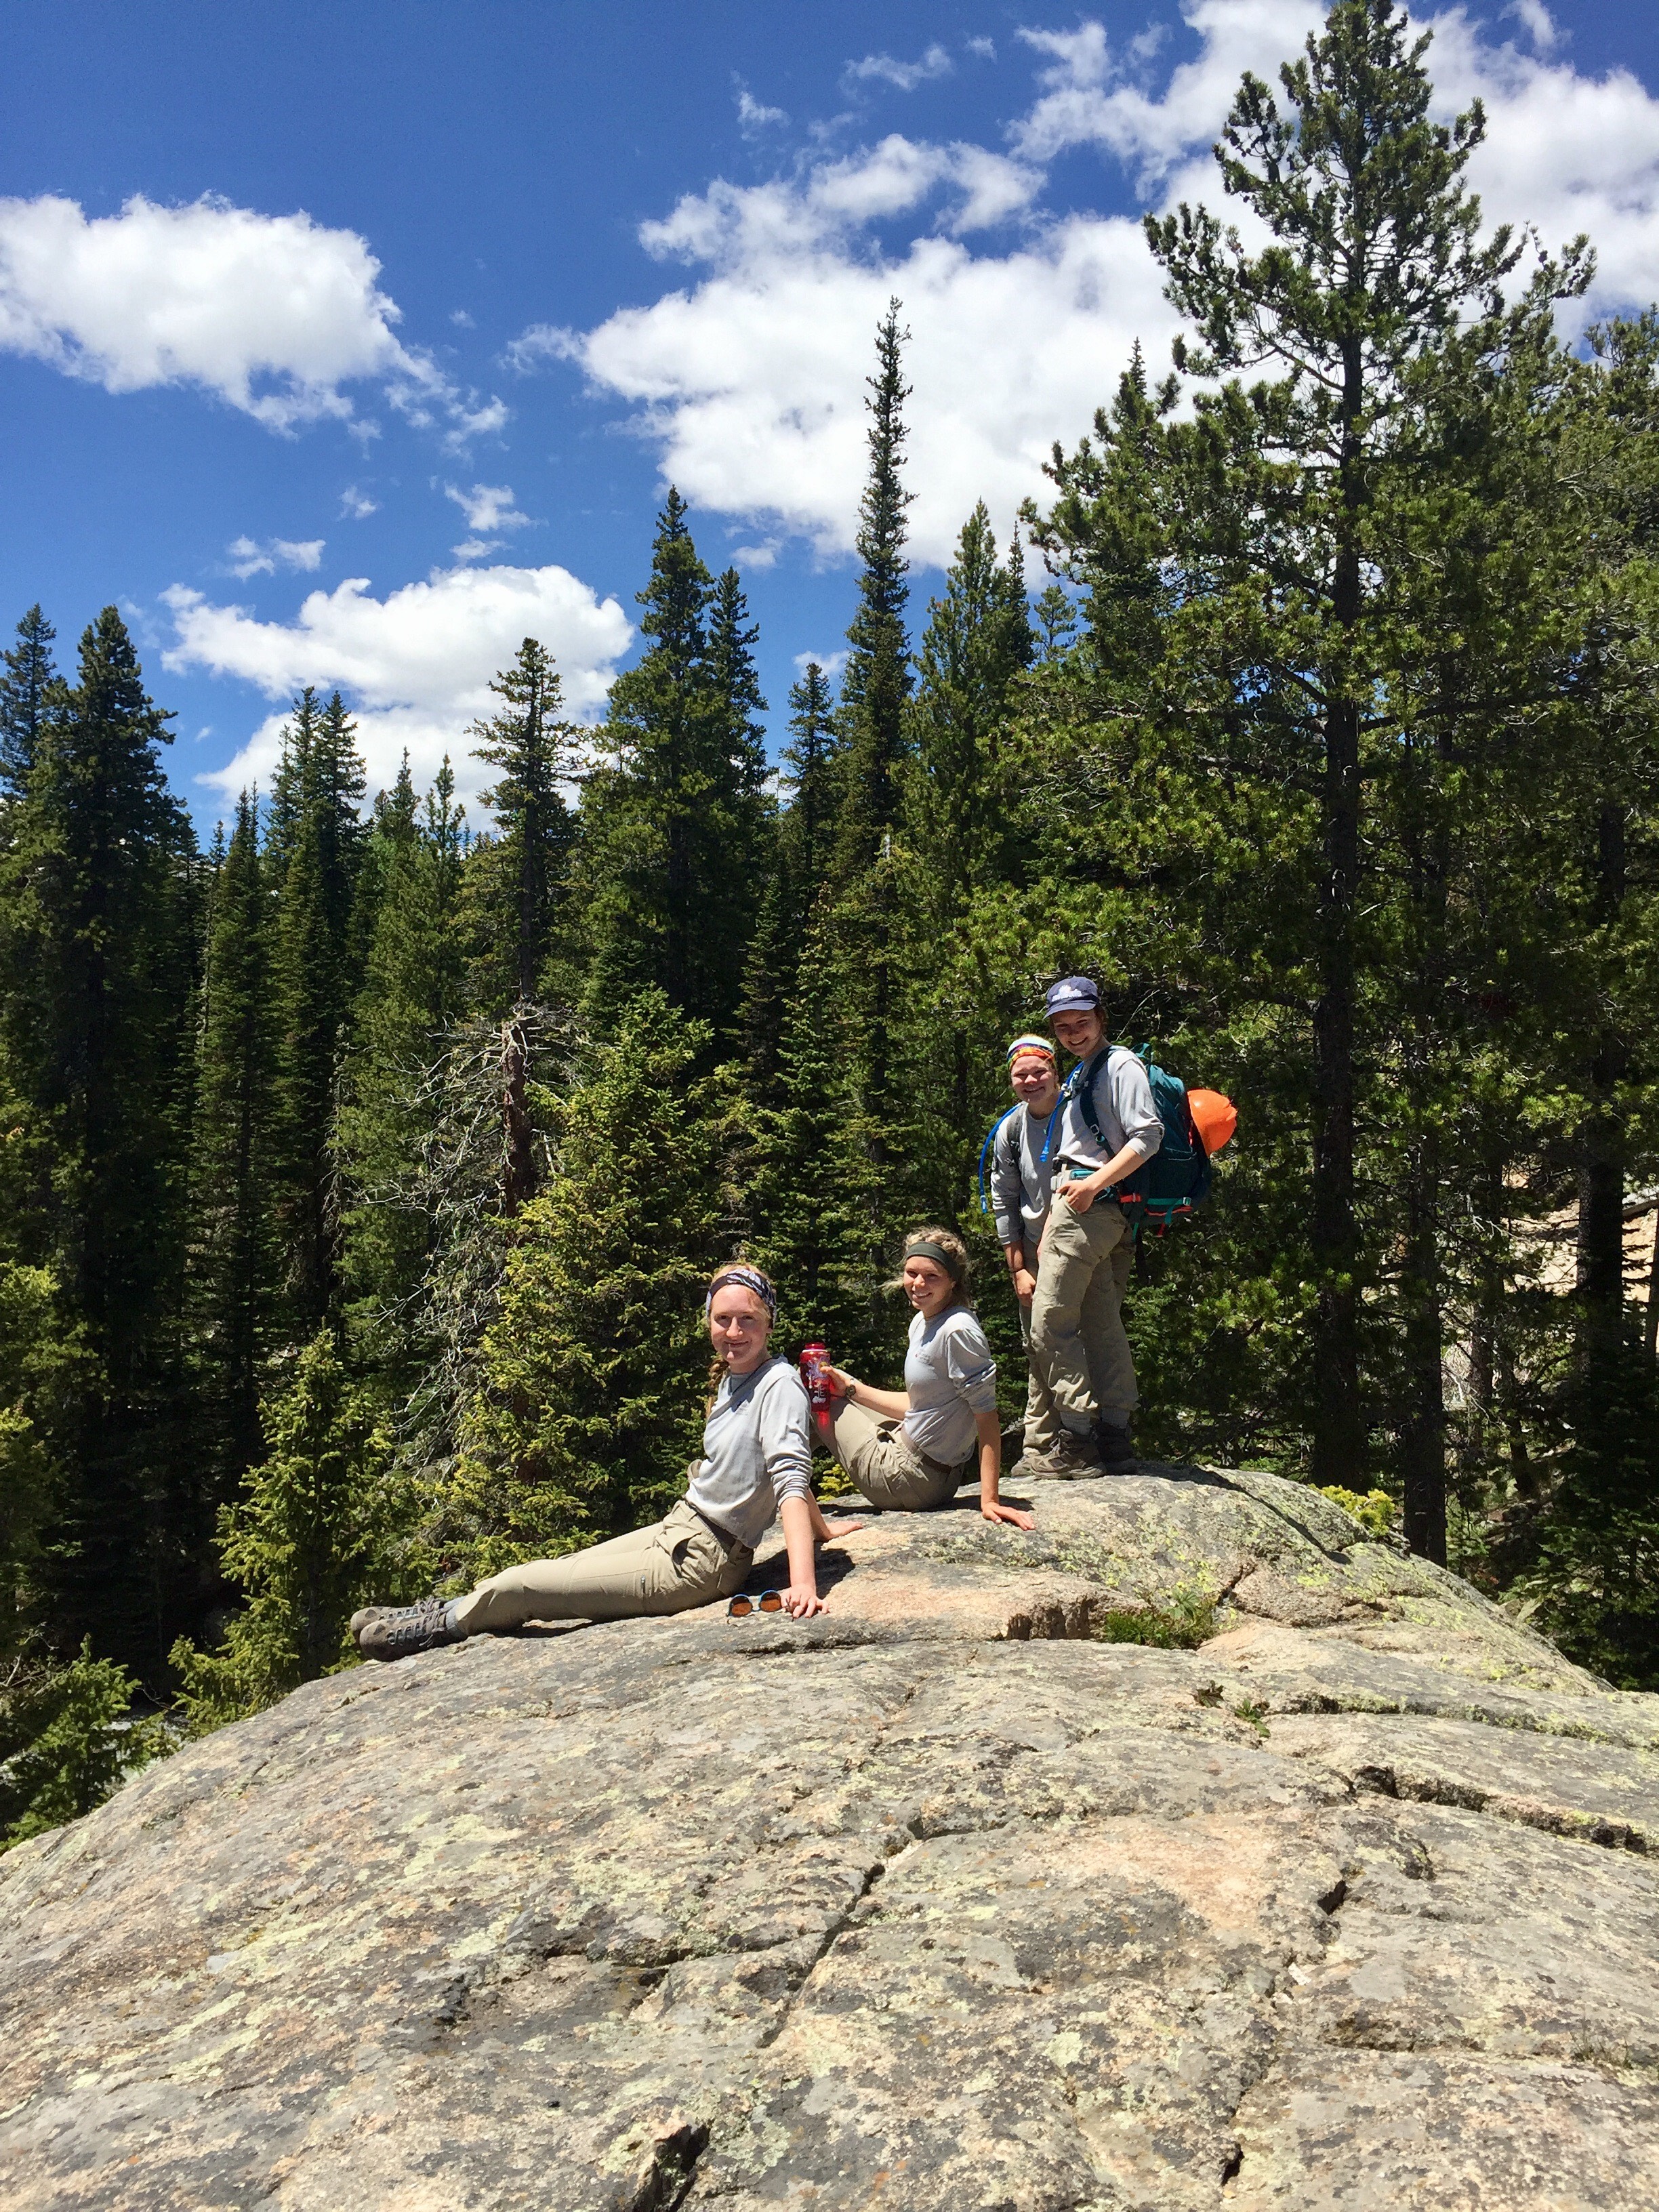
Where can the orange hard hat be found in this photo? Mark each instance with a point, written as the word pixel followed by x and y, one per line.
pixel 1214 1117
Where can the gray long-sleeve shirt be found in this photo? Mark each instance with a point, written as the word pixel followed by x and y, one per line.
pixel 757 1450
pixel 1123 1100
pixel 948 1376
pixel 1021 1179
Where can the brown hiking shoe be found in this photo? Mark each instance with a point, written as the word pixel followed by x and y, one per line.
pixel 364 1614
pixel 396 1631
pixel 1070 1459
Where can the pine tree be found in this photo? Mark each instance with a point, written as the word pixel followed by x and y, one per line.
pixel 670 821
pixel 41 1370
pixel 822 1204
pixel 877 681
pixel 592 1375
pixel 515 878
pixel 412 996
pixel 317 838
pixel 1375 261
pixel 960 803
pixel 322 1524
pixel 68 1739
pixel 26 693
pixel 95 895
pixel 731 642
pixel 858 960
pixel 236 1266
pixel 802 839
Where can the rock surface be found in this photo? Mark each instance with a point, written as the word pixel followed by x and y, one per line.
pixel 940 1900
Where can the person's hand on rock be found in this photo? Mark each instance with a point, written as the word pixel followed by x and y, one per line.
pixel 993 1509
pixel 834 1529
pixel 802 1601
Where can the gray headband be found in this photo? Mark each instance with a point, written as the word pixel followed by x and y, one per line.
pixel 751 1279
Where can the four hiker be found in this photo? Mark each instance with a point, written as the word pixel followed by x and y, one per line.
pixel 1058 1160
pixel 913 1449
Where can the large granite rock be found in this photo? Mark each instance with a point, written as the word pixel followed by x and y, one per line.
pixel 941 1900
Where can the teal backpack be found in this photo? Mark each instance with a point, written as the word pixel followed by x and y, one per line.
pixel 1176 1178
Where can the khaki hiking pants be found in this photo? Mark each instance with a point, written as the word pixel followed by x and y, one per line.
pixel 1043 1422
pixel 676 1563
pixel 1078 1342
pixel 886 1466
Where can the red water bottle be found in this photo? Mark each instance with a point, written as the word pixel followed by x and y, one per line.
pixel 815 1372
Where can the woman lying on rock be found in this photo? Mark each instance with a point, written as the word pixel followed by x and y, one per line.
pixel 757 1462
pixel 911 1450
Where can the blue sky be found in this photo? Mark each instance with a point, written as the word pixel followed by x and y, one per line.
pixel 349 344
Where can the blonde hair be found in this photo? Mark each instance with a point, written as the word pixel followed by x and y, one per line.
pixel 958 1266
pixel 717 1369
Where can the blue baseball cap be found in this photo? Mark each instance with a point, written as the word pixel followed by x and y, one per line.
pixel 1073 993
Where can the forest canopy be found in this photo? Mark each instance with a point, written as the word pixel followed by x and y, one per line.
pixel 358 1175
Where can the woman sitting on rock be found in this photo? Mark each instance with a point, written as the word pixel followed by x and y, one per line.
pixel 911 1450
pixel 756 1461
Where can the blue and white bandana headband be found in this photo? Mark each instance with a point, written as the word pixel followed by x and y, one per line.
pixel 750 1280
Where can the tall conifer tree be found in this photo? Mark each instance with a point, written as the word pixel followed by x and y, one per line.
pixel 1375 261
pixel 413 994
pixel 877 681
pixel 318 838
pixel 670 821
pixel 234 1269
pixel 26 688
pixel 801 846
pixel 516 876
pixel 97 981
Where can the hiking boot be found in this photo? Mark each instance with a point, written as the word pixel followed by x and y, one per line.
pixel 364 1614
pixel 396 1631
pixel 1070 1458
pixel 1117 1451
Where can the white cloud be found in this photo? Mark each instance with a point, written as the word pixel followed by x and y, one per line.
pixel 486 507
pixel 274 314
pixel 753 116
pixel 249 558
pixel 1566 152
pixel 415 665
pixel 461 319
pixel 748 376
pixel 541 343
pixel 983 50
pixel 831 663
pixel 1540 25
pixel 1085 102
pixel 357 505
pixel 882 68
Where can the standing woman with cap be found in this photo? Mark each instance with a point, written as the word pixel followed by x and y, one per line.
pixel 1021 1173
pixel 1087 1246
pixel 757 1462
pixel 911 1450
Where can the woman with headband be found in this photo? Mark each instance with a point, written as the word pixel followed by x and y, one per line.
pixel 757 1463
pixel 911 1450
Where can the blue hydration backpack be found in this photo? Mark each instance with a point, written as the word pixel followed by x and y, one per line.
pixel 996 1130
pixel 1176 1178
pixel 985 1149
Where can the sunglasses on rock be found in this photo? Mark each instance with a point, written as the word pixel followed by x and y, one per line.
pixel 767 1602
